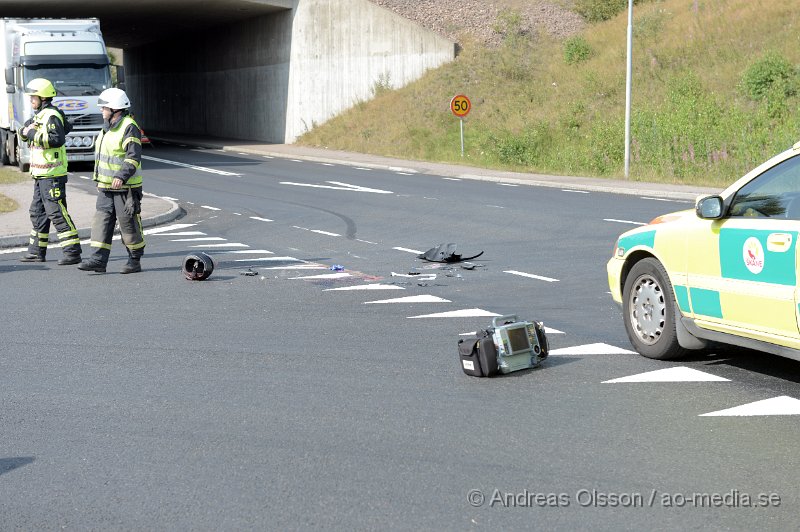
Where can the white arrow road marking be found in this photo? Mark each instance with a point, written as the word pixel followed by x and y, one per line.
pixel 463 313
pixel 340 186
pixel 411 299
pixel 777 406
pixel 225 245
pixel 324 276
pixel 366 287
pixel 591 349
pixel 532 276
pixel 193 167
pixel 676 374
pixel 623 221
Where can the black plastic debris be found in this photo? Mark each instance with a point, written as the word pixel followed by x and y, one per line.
pixel 445 253
pixel 249 273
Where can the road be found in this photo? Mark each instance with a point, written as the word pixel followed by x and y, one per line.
pixel 305 398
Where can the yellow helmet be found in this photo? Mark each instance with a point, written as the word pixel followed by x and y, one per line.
pixel 40 87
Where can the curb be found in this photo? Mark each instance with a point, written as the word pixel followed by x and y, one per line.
pixel 174 212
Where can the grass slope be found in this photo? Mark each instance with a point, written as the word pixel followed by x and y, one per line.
pixel 714 93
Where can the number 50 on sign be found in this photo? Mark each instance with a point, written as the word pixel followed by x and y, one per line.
pixel 460 106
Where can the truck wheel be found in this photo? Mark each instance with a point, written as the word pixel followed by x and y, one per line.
pixel 4 159
pixel 648 307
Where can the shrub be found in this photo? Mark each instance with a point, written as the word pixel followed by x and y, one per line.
pixel 576 49
pixel 599 10
pixel 768 73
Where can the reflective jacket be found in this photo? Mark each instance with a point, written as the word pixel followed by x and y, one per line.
pixel 118 153
pixel 48 154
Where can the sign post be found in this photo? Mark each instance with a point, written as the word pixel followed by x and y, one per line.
pixel 460 106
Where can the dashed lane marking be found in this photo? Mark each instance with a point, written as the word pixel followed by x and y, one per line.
pixel 463 313
pixel 209 208
pixel 193 167
pixel 777 406
pixel 575 191
pixel 167 228
pixel 338 185
pixel 411 299
pixel 532 276
pixel 590 349
pixel 623 221
pixel 374 286
pixel 225 245
pixel 323 276
pixel 199 239
pixel 182 233
pixel 676 374
pixel 409 250
pixel 261 219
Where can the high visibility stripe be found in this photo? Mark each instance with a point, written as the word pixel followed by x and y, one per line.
pixel 129 140
pixel 135 246
pixel 40 235
pixel 101 245
pixel 67 234
pixel 66 243
pixel 67 217
pixel 133 162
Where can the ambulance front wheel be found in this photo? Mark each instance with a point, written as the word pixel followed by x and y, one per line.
pixel 648 307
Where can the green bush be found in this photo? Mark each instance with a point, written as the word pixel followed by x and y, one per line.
pixel 576 49
pixel 599 10
pixel 771 72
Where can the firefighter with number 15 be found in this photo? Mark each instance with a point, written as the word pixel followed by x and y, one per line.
pixel 117 171
pixel 46 134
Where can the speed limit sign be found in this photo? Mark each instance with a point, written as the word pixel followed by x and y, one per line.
pixel 460 105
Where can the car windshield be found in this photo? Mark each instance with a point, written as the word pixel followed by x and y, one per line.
pixel 72 80
pixel 773 194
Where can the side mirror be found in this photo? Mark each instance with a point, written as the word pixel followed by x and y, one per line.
pixel 11 89
pixel 709 208
pixel 10 76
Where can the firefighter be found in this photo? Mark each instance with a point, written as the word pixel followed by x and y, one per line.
pixel 117 171
pixel 46 134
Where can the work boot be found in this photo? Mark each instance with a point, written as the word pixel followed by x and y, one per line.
pixel 92 265
pixel 132 266
pixel 69 259
pixel 32 257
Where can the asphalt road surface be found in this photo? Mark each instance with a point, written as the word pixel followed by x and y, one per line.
pixel 300 397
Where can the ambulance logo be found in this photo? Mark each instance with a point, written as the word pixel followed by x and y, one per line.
pixel 753 255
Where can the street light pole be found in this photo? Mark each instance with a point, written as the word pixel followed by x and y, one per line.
pixel 628 92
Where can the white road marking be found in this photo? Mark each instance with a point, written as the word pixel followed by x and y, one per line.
pixel 168 198
pixel 251 252
pixel 409 250
pixel 271 259
pixel 532 276
pixel 237 213
pixel 268 157
pixel 362 168
pixel 366 241
pixel 777 406
pixel 463 313
pixel 261 219
pixel 676 374
pixel 321 232
pixel 84 177
pixel 403 173
pixel 199 239
pixel 182 233
pixel 193 167
pixel 411 299
pixel 575 191
pixel 296 267
pixel 451 179
pixel 591 349
pixel 507 185
pixel 623 221
pixel 339 186
pixel 326 164
pixel 366 287
pixel 164 229
pixel 547 330
pixel 324 276
pixel 225 245
pixel 666 199
pixel 209 208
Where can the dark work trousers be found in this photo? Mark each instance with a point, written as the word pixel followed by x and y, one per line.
pixel 111 209
pixel 50 205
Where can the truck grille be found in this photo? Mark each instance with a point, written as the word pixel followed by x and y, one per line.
pixel 86 120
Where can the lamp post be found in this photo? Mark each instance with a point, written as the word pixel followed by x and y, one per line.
pixel 628 92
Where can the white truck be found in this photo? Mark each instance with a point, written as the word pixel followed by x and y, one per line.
pixel 72 55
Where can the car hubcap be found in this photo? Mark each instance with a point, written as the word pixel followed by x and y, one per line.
pixel 647 309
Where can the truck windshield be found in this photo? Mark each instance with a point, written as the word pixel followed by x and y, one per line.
pixel 72 80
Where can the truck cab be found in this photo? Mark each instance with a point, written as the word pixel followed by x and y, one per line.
pixel 73 56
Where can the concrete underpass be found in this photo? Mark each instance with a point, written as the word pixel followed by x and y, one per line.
pixel 252 69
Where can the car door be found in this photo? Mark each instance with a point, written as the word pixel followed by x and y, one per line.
pixel 743 269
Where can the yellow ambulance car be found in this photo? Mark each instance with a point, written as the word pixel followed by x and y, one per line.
pixel 726 271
